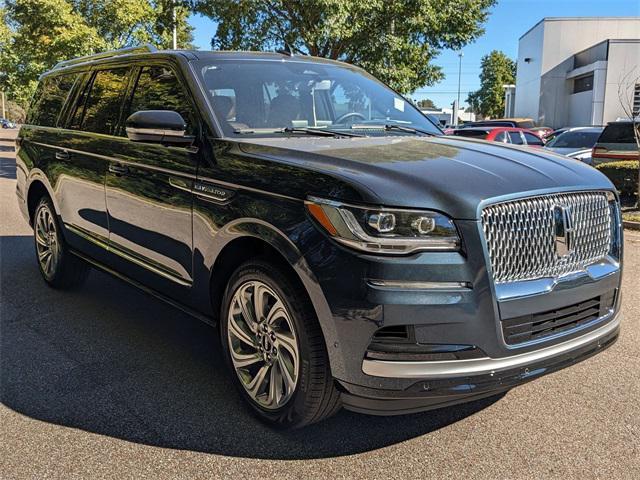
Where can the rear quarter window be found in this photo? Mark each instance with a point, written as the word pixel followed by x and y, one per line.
pixel 617 133
pixel 49 99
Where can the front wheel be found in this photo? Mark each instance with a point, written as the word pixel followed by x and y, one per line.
pixel 273 343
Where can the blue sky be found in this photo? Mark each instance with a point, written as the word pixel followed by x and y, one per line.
pixel 507 22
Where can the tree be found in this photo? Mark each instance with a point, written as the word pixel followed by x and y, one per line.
pixel 395 40
pixel 496 70
pixel 629 97
pixel 427 103
pixel 36 34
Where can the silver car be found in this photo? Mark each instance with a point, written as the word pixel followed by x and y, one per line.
pixel 576 143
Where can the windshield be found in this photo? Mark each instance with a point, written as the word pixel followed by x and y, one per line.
pixel 262 97
pixel 574 140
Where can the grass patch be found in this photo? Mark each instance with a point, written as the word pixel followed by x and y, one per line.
pixel 631 215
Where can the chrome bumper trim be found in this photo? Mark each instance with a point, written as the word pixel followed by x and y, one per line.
pixel 411 285
pixel 526 288
pixel 480 366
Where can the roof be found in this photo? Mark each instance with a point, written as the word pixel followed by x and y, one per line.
pixel 147 49
pixel 580 19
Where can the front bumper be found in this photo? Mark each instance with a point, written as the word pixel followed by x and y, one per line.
pixel 440 384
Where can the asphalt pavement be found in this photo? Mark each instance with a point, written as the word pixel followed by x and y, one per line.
pixel 106 382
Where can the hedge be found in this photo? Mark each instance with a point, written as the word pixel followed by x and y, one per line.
pixel 624 175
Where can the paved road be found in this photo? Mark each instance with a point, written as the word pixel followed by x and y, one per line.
pixel 107 383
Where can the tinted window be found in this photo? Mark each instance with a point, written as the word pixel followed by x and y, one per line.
pixel 158 88
pixel 617 133
pixel 515 137
pixel 102 108
pixel 502 137
pixel 575 140
pixel 472 133
pixel 49 100
pixel 583 84
pixel 532 139
pixel 525 124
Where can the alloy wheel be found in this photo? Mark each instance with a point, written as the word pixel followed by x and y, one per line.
pixel 263 344
pixel 47 244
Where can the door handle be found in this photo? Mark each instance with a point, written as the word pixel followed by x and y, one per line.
pixel 118 169
pixel 62 155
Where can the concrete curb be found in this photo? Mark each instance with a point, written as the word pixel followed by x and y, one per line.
pixel 631 225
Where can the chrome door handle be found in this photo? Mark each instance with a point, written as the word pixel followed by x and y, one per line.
pixel 118 169
pixel 62 155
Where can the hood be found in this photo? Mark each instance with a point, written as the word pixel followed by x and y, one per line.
pixel 451 175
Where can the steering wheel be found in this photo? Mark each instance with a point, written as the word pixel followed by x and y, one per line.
pixel 342 118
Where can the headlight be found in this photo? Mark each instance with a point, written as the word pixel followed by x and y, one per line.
pixel 384 230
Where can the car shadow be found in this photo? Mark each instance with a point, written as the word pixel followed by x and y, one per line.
pixel 111 360
pixel 7 162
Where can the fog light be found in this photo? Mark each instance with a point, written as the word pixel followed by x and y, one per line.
pixel 382 222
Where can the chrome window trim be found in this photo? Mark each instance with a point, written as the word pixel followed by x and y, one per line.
pixel 485 365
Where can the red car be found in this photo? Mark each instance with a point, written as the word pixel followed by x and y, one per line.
pixel 512 135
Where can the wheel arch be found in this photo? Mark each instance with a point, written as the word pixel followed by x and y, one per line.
pixel 245 239
pixel 37 187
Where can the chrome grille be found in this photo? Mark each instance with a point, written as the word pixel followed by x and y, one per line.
pixel 520 235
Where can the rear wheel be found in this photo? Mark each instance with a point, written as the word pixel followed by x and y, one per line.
pixel 59 268
pixel 274 345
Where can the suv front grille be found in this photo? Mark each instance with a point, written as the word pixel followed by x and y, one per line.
pixel 521 241
pixel 540 325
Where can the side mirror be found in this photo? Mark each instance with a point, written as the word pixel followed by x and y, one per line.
pixel 158 126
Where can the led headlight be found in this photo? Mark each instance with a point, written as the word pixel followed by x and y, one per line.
pixel 384 230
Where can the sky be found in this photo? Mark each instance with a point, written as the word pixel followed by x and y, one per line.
pixel 508 21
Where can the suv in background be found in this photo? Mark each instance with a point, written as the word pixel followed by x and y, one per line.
pixel 348 252
pixel 616 143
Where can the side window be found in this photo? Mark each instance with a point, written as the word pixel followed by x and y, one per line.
pixel 102 107
pixel 515 138
pixel 502 137
pixel 158 88
pixel 49 99
pixel 533 139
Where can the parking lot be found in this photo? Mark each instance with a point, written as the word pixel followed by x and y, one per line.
pixel 106 382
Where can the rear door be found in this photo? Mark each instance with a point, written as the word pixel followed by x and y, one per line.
pixel 149 187
pixel 515 138
pixel 84 150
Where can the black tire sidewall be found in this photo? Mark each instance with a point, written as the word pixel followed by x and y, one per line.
pixel 293 412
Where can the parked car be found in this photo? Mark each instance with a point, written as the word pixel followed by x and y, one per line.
pixel 502 122
pixel 550 136
pixel 348 253
pixel 512 135
pixel 616 142
pixel 7 123
pixel 542 132
pixel 576 143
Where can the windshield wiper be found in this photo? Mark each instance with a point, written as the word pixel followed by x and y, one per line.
pixel 320 132
pixel 307 131
pixel 387 127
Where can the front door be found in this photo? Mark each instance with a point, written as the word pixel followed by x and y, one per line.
pixel 149 189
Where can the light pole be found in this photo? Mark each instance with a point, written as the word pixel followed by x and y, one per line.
pixel 175 26
pixel 460 55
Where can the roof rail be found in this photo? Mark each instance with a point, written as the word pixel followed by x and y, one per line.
pixel 146 48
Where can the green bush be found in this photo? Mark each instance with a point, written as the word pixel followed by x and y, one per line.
pixel 623 175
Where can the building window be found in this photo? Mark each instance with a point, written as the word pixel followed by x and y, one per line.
pixel 583 84
pixel 636 100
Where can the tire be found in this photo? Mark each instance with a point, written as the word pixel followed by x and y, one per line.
pixel 305 392
pixel 58 267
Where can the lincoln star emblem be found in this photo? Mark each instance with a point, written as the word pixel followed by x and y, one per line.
pixel 563 230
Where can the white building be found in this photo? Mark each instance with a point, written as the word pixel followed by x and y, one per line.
pixel 570 69
pixel 445 115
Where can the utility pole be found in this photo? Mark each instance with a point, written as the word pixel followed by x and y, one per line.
pixel 4 114
pixel 175 25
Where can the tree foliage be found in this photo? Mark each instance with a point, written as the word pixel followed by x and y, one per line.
pixel 36 34
pixel 395 40
pixel 426 103
pixel 496 70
